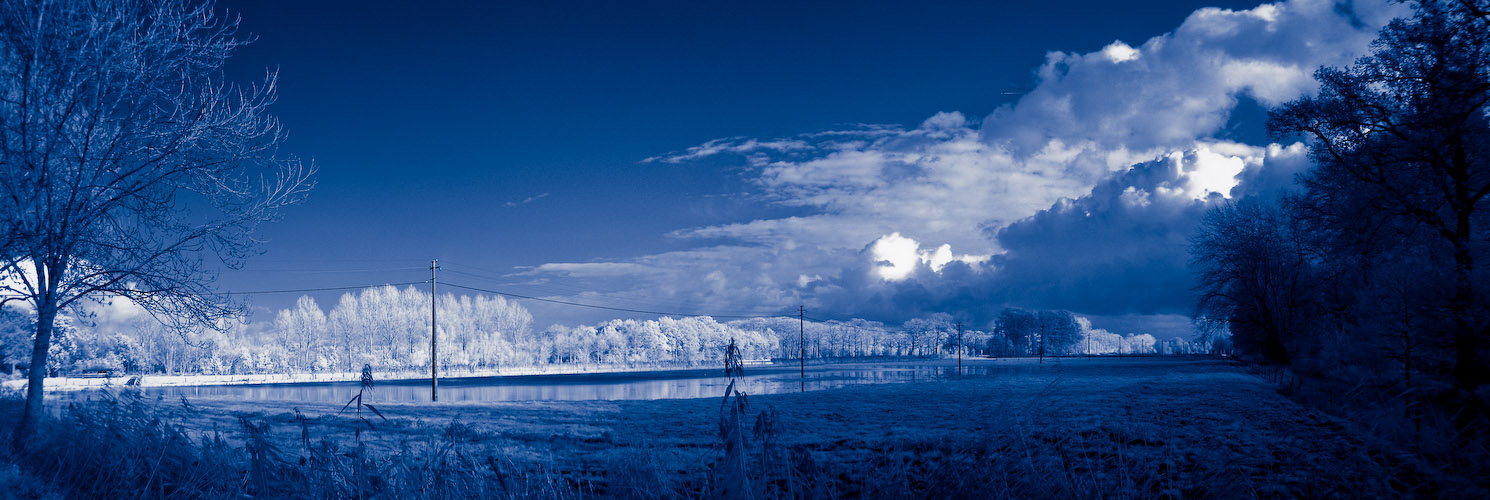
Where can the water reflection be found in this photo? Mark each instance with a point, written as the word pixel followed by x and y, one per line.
pixel 620 386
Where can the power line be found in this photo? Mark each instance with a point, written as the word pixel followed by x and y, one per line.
pixel 325 289
pixel 478 268
pixel 506 294
pixel 324 271
pixel 500 278
pixel 554 289
pixel 608 308
pixel 335 259
pixel 628 304
pixel 477 276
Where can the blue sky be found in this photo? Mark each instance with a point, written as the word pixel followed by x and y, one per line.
pixel 750 157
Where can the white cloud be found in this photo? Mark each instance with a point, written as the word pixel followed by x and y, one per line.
pixel 895 257
pixel 1181 86
pixel 1135 198
pixel 939 181
pixel 1119 52
pixel 1211 172
pixel 1087 118
pixel 590 269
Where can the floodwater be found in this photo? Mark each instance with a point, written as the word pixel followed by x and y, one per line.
pixel 701 383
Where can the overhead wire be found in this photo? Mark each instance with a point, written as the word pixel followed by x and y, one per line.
pixel 337 259
pixel 608 308
pixel 559 289
pixel 322 289
pixel 325 271
pixel 478 268
pixel 635 310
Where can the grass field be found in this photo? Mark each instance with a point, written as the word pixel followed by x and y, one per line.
pixel 1069 428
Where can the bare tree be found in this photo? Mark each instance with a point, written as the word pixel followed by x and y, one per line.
pixel 1254 273
pixel 127 162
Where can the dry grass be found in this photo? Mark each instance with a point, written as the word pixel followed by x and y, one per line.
pixel 127 446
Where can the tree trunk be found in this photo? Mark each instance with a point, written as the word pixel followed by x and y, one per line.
pixel 1467 370
pixel 46 314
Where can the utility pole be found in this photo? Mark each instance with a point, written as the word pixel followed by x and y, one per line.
pixel 1042 341
pixel 434 359
pixel 802 347
pixel 959 348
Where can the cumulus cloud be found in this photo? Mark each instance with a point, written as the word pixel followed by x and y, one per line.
pixel 1180 86
pixel 1088 116
pixel 1116 252
pixel 937 182
pixel 896 257
pixel 1080 195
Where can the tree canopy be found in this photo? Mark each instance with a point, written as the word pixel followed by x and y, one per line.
pixel 129 166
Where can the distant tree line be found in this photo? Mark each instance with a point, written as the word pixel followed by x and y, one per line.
pixel 1023 332
pixel 388 328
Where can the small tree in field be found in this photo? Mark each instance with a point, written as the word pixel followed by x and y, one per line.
pixel 126 161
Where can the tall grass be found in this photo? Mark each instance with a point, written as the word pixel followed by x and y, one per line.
pixel 123 443
pixel 128 446
pixel 1449 451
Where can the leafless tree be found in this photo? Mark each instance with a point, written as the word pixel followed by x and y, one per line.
pixel 1254 273
pixel 128 164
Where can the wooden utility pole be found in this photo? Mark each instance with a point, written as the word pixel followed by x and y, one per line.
pixel 959 348
pixel 802 346
pixel 434 358
pixel 1042 341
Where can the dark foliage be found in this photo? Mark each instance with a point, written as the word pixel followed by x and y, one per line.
pixel 1369 283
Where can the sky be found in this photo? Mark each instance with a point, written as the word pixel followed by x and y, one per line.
pixel 867 160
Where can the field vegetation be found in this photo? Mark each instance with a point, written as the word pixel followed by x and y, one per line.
pixel 1068 428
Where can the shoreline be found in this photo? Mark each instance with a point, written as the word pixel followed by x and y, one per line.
pixel 74 384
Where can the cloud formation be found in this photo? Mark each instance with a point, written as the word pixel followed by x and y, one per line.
pixel 1080 195
pixel 1178 87
pixel 1122 248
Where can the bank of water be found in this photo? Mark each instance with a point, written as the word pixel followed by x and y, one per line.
pixel 639 385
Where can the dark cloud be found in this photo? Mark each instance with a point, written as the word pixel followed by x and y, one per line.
pixel 959 288
pixel 1118 253
pixel 1120 249
pixel 1123 248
